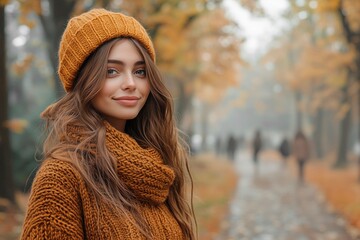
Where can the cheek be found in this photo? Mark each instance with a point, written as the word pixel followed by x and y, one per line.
pixel 100 98
pixel 96 102
pixel 146 89
pixel 107 88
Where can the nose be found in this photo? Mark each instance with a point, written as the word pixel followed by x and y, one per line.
pixel 128 82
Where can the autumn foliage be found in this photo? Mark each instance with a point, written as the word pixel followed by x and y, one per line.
pixel 340 187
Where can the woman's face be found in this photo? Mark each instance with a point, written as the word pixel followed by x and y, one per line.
pixel 126 86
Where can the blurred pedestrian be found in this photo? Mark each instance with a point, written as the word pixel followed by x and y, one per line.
pixel 284 150
pixel 301 151
pixel 113 165
pixel 231 147
pixel 256 146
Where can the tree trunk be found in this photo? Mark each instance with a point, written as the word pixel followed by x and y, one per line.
pixel 344 135
pixel 357 78
pixel 359 122
pixel 54 26
pixel 353 39
pixel 182 104
pixel 341 160
pixel 7 188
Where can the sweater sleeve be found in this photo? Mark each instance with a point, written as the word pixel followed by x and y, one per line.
pixel 54 208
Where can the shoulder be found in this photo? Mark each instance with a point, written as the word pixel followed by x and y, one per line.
pixel 56 183
pixel 53 172
pixel 58 168
pixel 54 209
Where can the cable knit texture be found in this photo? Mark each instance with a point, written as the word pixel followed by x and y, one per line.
pixel 62 207
pixel 86 32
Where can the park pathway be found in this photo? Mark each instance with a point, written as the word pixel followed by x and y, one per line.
pixel 270 204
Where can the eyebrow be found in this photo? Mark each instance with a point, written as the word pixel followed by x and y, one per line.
pixel 122 63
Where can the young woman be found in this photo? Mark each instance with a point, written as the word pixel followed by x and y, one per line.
pixel 113 165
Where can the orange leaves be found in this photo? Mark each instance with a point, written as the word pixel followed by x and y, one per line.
pixel 172 39
pixel 24 20
pixel 218 56
pixel 26 7
pixel 16 125
pixel 340 188
pixel 340 59
pixel 21 67
pixel 337 81
pixel 328 5
pixel 316 56
pixel 319 73
pixel 328 98
pixel 316 64
pixel 215 20
pixel 344 109
pixel 4 2
pixel 352 9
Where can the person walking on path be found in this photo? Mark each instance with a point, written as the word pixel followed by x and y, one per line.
pixel 231 147
pixel 256 147
pixel 301 151
pixel 114 167
pixel 284 150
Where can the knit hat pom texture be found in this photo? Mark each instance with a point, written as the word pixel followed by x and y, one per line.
pixel 87 32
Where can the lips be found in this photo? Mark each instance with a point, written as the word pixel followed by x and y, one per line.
pixel 127 98
pixel 128 101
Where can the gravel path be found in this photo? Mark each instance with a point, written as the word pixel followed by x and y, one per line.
pixel 270 204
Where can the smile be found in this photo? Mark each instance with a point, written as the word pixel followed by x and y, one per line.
pixel 128 101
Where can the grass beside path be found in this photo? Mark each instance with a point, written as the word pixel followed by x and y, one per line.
pixel 214 185
pixel 340 187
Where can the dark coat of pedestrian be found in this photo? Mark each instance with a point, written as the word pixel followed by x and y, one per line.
pixel 231 147
pixel 257 146
pixel 301 151
pixel 284 149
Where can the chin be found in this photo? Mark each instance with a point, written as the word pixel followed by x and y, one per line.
pixel 129 116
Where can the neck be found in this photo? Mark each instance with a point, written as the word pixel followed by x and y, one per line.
pixel 117 124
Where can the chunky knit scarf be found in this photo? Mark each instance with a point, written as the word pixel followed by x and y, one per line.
pixel 142 170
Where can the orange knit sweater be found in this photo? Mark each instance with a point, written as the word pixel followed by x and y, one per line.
pixel 62 207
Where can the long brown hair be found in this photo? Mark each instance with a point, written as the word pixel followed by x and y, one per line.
pixel 153 127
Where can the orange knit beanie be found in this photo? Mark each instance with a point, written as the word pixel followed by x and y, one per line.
pixel 87 32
